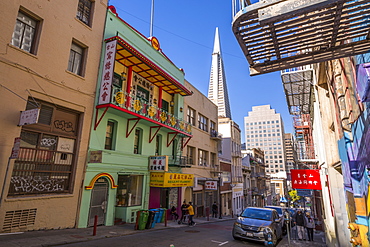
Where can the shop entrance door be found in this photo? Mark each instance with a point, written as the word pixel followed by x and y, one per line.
pixel 98 203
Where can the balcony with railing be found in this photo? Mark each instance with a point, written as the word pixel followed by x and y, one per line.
pixel 142 84
pixel 180 161
pixel 138 106
pixel 215 135
pixel 277 35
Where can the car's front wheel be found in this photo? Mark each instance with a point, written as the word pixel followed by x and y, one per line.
pixel 235 237
pixel 273 241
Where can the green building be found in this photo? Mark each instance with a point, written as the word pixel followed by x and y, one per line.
pixel 138 131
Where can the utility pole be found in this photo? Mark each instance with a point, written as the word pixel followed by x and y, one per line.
pixel 219 195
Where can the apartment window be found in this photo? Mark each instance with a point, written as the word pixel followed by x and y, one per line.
pixel 190 155
pixel 202 157
pixel 213 159
pixel 138 141
pixel 84 11
pixel 158 145
pixel 213 127
pixel 26 32
pixel 191 116
pixel 130 190
pixel 165 105
pixel 76 57
pixel 202 122
pixel 109 135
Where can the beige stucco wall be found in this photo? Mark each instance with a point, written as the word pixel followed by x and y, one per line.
pixel 44 76
pixel 201 139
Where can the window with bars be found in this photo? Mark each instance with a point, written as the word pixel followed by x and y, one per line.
pixel 45 163
pixel 76 59
pixel 191 116
pixel 26 32
pixel 84 11
pixel 202 122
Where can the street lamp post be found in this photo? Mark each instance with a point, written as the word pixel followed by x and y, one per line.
pixel 219 196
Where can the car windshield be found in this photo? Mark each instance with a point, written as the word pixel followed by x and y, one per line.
pixel 257 214
pixel 279 210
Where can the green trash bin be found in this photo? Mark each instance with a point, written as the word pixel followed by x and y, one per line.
pixel 143 218
pixel 164 214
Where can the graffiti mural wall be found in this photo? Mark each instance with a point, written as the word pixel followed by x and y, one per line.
pixel 354 152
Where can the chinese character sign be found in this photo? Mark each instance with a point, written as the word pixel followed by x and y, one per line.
pixel 107 73
pixel 167 180
pixel 210 185
pixel 306 179
pixel 158 163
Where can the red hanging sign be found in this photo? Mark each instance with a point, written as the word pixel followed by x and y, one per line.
pixel 306 179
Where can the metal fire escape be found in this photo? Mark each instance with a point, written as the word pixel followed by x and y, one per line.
pixel 298 83
pixel 281 34
pixel 304 141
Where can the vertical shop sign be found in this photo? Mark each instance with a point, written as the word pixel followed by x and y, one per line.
pixel 107 73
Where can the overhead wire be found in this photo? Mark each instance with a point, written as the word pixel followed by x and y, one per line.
pixel 179 36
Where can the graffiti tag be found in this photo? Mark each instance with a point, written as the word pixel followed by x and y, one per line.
pixel 32 184
pixel 63 125
pixel 47 142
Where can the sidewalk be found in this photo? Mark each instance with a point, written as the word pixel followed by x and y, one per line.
pixel 45 238
pixel 318 241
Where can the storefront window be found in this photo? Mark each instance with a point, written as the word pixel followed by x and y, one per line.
pixel 130 190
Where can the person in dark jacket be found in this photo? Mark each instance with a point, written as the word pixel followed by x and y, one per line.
pixel 300 221
pixel 214 210
pixel 310 225
pixel 184 211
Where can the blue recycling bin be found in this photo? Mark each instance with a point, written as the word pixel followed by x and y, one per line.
pixel 159 218
pixel 156 215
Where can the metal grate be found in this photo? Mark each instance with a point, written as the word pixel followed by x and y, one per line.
pixel 19 219
pixel 276 35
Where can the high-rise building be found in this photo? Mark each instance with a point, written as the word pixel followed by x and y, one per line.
pixel 231 158
pixel 217 91
pixel 290 152
pixel 264 129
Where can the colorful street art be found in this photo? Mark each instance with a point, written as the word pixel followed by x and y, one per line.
pixel 354 149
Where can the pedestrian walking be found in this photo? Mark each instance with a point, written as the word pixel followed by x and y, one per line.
pixel 310 225
pixel 184 211
pixel 174 214
pixel 300 221
pixel 214 210
pixel 191 214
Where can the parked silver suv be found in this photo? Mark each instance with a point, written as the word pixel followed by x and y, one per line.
pixel 283 214
pixel 258 224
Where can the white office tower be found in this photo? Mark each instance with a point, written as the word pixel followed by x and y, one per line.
pixel 264 129
pixel 217 91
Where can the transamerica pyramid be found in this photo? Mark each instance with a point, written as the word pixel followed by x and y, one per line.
pixel 217 91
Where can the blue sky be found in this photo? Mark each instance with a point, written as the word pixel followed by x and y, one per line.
pixel 185 30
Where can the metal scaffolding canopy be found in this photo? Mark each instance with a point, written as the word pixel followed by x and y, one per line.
pixel 297 83
pixel 281 34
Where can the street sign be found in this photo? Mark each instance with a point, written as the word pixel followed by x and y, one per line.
pixel 29 117
pixel 306 179
pixel 16 147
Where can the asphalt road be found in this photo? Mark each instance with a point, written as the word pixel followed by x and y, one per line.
pixel 207 235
